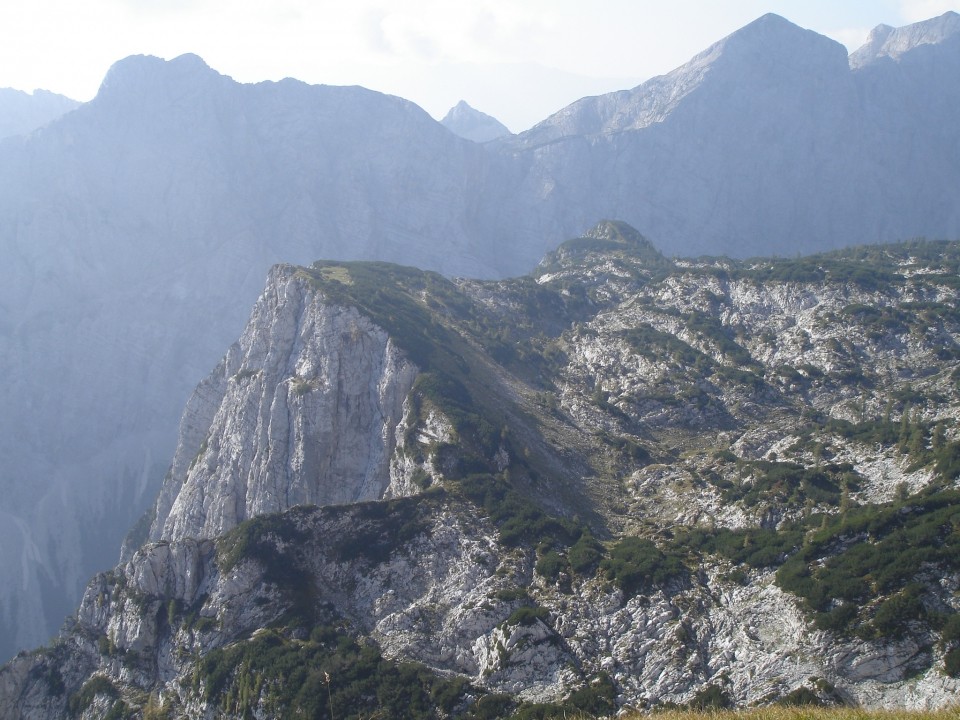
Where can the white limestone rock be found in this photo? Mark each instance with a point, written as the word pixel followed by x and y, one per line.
pixel 304 409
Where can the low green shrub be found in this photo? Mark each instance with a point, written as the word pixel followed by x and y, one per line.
pixel 97 685
pixel 635 564
pixel 286 678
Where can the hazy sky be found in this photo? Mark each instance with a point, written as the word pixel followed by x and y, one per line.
pixel 519 60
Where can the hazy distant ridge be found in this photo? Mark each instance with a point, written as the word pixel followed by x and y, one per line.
pixel 22 112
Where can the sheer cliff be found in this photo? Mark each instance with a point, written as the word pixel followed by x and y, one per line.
pixel 304 413
pixel 135 233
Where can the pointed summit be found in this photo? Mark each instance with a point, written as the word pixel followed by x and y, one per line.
pixel 885 41
pixel 751 66
pixel 472 124
pixel 774 38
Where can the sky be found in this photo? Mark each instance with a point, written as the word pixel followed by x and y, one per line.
pixel 518 60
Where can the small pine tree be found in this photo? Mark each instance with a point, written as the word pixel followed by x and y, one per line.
pixel 905 430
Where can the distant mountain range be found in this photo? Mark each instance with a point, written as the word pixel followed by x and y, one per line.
pixel 136 230
pixel 770 141
pixel 21 112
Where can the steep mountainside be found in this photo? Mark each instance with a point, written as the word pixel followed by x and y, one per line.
pixel 622 480
pixel 136 230
pixel 21 113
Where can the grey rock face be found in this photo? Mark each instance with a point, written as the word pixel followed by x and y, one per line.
pixel 893 43
pixel 134 235
pixel 303 410
pixel 437 600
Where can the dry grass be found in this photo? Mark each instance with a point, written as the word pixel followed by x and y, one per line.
pixel 800 713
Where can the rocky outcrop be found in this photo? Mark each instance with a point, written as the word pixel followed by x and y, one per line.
pixel 443 598
pixel 304 409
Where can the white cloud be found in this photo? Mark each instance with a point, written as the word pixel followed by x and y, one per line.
pixel 916 10
pixel 852 38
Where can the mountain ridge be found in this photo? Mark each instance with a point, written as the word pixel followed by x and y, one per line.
pixel 892 43
pixel 654 100
pixel 22 113
pixel 734 427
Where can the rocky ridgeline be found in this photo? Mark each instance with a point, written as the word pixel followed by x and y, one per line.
pixel 620 481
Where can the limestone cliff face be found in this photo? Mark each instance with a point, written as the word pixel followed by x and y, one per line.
pixel 135 234
pixel 302 410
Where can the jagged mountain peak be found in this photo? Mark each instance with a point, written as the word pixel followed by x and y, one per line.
pixel 470 123
pixel 890 42
pixel 766 26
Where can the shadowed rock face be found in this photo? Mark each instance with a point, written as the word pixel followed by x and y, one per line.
pixel 135 231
